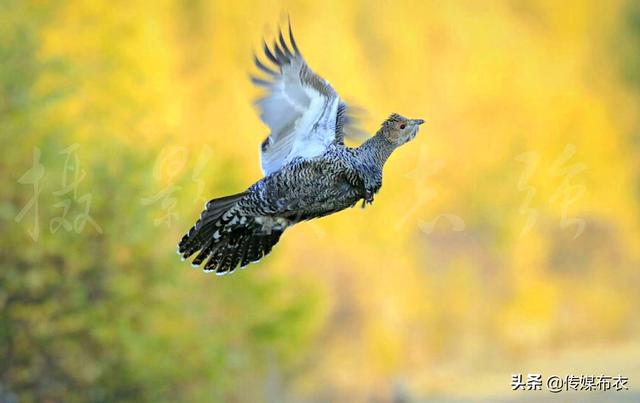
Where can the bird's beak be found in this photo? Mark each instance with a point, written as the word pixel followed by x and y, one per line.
pixel 417 122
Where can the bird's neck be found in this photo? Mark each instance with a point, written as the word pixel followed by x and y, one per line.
pixel 376 150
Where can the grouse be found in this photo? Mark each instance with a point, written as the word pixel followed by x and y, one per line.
pixel 309 171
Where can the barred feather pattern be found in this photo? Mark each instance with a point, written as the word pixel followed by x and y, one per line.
pixel 240 229
pixel 310 173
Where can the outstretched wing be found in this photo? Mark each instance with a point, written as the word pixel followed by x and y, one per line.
pixel 300 107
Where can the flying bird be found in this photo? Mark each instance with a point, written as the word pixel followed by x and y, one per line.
pixel 309 171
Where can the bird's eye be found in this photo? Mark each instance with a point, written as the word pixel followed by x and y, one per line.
pixel 402 126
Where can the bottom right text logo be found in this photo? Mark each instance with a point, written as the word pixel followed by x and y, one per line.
pixel 556 384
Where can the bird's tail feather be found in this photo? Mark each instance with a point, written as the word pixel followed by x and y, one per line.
pixel 199 235
pixel 226 238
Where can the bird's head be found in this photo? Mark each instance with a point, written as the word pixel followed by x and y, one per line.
pixel 399 130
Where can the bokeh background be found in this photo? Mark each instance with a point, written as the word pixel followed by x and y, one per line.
pixel 506 238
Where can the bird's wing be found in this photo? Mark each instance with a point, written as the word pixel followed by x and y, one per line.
pixel 348 123
pixel 300 107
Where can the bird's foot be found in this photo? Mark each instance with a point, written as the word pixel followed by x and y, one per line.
pixel 368 198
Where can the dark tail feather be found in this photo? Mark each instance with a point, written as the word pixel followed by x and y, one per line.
pixel 241 247
pixel 200 235
pixel 226 240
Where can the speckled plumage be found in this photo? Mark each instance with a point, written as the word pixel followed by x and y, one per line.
pixel 300 184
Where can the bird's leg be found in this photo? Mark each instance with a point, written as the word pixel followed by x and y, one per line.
pixel 370 189
pixel 367 184
pixel 368 197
